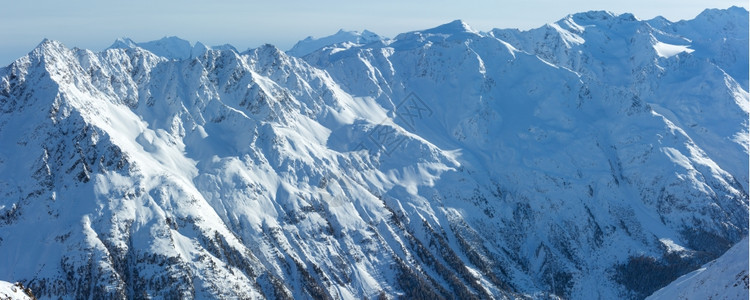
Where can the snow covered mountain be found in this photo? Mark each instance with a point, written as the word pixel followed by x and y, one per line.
pixel 723 278
pixel 599 156
pixel 170 47
pixel 341 38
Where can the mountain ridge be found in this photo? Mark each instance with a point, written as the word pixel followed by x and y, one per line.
pixel 422 165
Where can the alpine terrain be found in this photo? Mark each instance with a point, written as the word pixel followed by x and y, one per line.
pixel 597 157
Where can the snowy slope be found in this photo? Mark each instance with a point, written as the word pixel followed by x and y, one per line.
pixel 565 126
pixel 724 278
pixel 11 291
pixel 445 163
pixel 661 60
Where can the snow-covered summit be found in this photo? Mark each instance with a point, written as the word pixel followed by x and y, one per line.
pixel 123 43
pixel 565 161
pixel 728 15
pixel 602 17
pixel 171 47
pixel 453 27
pixel 342 37
pixel 456 31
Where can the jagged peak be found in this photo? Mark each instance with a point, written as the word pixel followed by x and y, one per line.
pixel 265 50
pixel 48 43
pixel 48 47
pixel 38 55
pixel 274 145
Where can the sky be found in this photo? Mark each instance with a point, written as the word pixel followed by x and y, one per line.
pixel 95 24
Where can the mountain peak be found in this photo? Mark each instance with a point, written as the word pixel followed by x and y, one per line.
pixel 47 43
pixel 729 14
pixel 594 15
pixel 170 47
pixel 174 39
pixel 123 43
pixel 368 33
pixel 48 46
pixel 453 27
pixel 454 30
pixel 600 17
pixel 266 50
pixel 311 44
pixel 737 9
pixel 536 164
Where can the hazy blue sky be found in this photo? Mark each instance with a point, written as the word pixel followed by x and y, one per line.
pixel 247 24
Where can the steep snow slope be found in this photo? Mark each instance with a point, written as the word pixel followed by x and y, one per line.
pixel 444 163
pixel 542 135
pixel 724 278
pixel 663 63
pixel 200 178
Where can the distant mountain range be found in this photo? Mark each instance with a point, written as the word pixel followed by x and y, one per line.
pixel 600 156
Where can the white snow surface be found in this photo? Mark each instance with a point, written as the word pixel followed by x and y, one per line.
pixel 445 162
pixel 668 50
pixel 11 291
pixel 725 278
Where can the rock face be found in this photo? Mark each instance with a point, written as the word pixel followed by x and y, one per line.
pixel 566 161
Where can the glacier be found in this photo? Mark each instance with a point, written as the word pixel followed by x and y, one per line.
pixel 600 156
